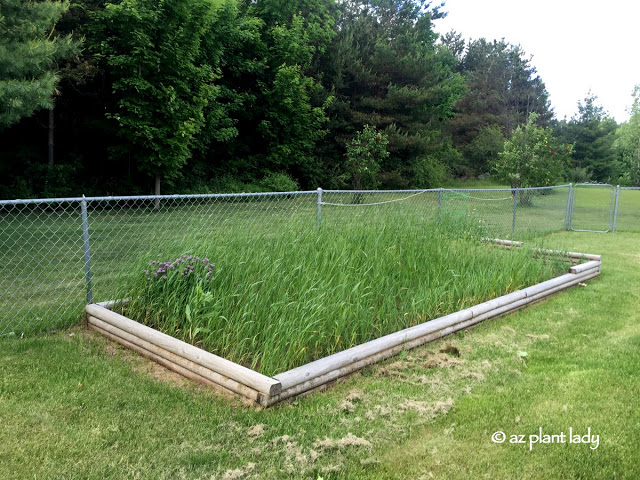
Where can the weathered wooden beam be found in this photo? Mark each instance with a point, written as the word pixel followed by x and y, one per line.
pixel 145 347
pixel 464 317
pixel 583 267
pixel 240 374
pixel 210 369
pixel 168 364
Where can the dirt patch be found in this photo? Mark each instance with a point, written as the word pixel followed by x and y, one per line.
pixel 156 371
pixel 450 350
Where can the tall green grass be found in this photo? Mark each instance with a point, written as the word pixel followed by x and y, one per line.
pixel 277 300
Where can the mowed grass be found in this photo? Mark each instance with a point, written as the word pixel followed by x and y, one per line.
pixel 580 372
pixel 72 405
pixel 282 300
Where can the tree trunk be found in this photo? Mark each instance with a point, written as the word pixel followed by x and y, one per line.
pixel 157 191
pixel 50 141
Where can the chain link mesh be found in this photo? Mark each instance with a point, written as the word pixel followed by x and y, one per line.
pixel 537 210
pixel 628 214
pixel 44 244
pixel 41 265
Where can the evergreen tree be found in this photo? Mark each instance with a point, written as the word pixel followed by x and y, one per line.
pixel 29 56
pixel 593 133
pixel 502 91
pixel 386 70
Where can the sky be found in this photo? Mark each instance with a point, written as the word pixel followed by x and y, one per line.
pixel 577 45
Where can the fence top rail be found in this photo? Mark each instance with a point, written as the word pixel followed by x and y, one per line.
pixel 150 197
pixel 31 201
pixel 629 188
pixel 507 189
pixel 591 184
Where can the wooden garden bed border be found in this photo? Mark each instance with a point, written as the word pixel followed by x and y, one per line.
pixel 209 369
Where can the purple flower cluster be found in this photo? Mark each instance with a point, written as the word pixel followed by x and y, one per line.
pixel 187 265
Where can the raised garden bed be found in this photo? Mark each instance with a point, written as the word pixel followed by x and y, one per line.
pixel 207 368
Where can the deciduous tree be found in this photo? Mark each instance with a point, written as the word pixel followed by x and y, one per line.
pixel 152 51
pixel 532 157
pixel 627 144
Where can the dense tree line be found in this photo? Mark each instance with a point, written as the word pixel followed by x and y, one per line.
pixel 136 96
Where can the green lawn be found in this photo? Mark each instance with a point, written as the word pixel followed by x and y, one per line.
pixel 74 406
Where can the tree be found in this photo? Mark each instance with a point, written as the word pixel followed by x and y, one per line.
pixel 503 89
pixel 593 132
pixel 364 154
pixel 274 104
pixel 627 144
pixel 151 50
pixel 385 70
pixel 29 56
pixel 532 157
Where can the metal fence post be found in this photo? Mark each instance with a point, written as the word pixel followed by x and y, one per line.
pixel 567 209
pixel 615 210
pixel 319 208
pixel 515 207
pixel 87 253
pixel 439 203
pixel 573 196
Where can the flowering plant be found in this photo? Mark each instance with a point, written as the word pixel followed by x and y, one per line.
pixel 172 295
pixel 189 266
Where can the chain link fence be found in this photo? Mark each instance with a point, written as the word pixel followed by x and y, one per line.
pixel 627 209
pixel 58 254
